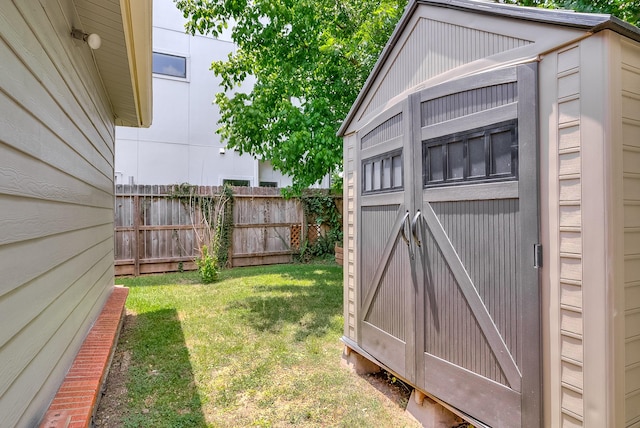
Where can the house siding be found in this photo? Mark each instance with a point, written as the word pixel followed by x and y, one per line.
pixel 56 198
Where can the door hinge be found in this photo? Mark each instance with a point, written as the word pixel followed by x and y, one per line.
pixel 537 255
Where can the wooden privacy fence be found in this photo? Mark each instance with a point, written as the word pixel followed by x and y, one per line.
pixel 155 231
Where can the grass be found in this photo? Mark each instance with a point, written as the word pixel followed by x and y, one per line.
pixel 260 347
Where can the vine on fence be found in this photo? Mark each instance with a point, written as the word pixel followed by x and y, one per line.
pixel 320 209
pixel 216 216
pixel 224 229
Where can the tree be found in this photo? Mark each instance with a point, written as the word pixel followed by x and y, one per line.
pixel 308 59
pixel 623 9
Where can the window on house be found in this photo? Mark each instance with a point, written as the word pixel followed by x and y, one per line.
pixel 268 184
pixel 238 183
pixel 484 154
pixel 382 173
pixel 170 65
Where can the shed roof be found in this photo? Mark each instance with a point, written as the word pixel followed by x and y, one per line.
pixel 124 60
pixel 587 22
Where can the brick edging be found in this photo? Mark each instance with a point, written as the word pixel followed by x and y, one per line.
pixel 77 398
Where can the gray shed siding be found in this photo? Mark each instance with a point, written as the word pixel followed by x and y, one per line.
pixel 56 200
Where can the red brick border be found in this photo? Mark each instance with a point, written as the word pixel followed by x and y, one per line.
pixel 75 402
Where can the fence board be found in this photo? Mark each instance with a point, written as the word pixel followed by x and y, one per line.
pixel 157 233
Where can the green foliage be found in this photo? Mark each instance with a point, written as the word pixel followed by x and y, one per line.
pixel 217 216
pixel 320 208
pixel 207 266
pixel 309 59
pixel 626 10
pixel 336 183
pixel 224 228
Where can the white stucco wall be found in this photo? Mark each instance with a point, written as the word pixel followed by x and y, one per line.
pixel 182 144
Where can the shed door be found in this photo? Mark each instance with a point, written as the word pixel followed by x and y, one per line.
pixel 386 294
pixel 475 151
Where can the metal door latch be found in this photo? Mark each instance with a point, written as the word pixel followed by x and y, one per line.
pixel 537 256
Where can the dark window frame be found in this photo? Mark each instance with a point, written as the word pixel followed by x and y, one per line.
pixel 236 182
pixel 485 132
pixel 388 156
pixel 160 73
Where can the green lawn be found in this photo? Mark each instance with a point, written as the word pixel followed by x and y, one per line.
pixel 261 347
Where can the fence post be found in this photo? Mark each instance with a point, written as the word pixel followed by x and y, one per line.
pixel 136 234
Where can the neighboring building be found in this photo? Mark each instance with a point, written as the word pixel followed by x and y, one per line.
pixel 182 145
pixel 60 103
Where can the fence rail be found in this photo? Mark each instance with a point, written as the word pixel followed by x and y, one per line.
pixel 158 232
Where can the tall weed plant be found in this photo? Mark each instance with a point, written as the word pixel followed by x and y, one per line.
pixel 207 266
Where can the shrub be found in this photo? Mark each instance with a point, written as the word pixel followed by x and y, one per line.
pixel 207 266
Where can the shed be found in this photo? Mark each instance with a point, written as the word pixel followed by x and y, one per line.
pixel 492 213
pixel 60 101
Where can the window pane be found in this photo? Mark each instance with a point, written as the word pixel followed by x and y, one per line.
pixel 376 174
pixel 455 160
pixel 368 168
pixel 501 152
pixel 169 65
pixel 477 162
pixel 435 164
pixel 397 171
pixel 386 173
pixel 238 183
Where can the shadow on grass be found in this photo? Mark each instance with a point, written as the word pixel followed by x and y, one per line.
pixel 310 299
pixel 161 386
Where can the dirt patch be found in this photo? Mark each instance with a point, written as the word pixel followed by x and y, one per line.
pixel 113 403
pixel 388 385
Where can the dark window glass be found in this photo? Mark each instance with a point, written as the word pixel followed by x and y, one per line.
pixel 478 155
pixel 501 152
pixel 368 177
pixel 377 174
pixel 268 184
pixel 477 160
pixel 239 183
pixel 397 171
pixel 170 65
pixel 386 173
pixel 435 164
pixel 455 160
pixel 382 173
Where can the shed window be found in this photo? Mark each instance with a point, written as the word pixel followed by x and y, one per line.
pixel 382 173
pixel 170 65
pixel 482 154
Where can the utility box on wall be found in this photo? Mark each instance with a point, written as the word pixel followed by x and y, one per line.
pixel 492 200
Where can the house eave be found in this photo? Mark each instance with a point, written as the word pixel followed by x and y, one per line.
pixel 124 59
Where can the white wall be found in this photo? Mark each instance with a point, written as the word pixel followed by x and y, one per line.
pixel 182 144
